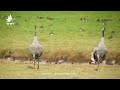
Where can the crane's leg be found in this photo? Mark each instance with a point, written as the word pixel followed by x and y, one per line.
pixel 38 64
pixel 98 62
pixel 34 63
pixel 97 65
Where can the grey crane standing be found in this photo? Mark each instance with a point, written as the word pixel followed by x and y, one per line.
pixel 99 52
pixel 36 49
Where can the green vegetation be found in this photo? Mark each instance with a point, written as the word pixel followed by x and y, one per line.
pixel 67 41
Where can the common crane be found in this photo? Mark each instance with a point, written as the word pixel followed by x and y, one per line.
pixel 99 52
pixel 36 49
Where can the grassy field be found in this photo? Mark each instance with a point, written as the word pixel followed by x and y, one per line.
pixel 54 71
pixel 66 27
pixel 68 42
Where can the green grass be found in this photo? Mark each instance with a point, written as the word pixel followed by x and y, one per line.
pixel 68 41
pixel 66 26
pixel 54 71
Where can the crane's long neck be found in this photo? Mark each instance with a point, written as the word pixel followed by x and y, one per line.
pixel 103 33
pixel 35 31
pixel 101 44
pixel 35 37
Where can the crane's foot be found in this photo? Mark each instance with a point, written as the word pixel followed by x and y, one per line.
pixel 38 67
pixel 96 69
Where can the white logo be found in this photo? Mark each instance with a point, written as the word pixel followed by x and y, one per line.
pixel 10 20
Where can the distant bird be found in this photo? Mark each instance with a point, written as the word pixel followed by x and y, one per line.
pixel 103 23
pixel 112 31
pixel 113 62
pixel 41 17
pixel 99 52
pixel 26 19
pixel 50 18
pixel 82 29
pixel 80 19
pixel 36 49
pixel 98 20
pixel 60 61
pixel 41 26
pixel 51 33
pixel 110 37
pixel 110 62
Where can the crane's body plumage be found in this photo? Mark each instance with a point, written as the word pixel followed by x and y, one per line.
pixel 35 47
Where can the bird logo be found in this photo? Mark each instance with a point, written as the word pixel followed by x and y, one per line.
pixel 10 20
